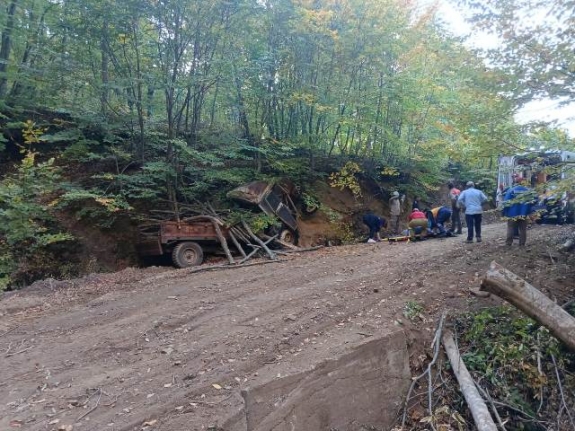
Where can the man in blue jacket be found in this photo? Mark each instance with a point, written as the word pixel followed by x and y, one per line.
pixel 472 200
pixel 517 207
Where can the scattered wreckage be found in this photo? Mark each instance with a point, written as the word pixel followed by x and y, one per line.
pixel 188 239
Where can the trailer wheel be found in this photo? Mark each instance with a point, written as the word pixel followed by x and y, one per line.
pixel 288 236
pixel 187 254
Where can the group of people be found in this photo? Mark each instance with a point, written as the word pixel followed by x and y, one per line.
pixel 470 201
pixel 426 222
pixel 516 204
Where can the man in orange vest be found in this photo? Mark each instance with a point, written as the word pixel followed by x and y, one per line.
pixel 455 210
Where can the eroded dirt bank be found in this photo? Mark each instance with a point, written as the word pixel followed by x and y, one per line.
pixel 164 349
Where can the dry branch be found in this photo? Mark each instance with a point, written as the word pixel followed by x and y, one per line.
pixel 237 244
pixel 531 301
pixel 302 250
pixel 223 242
pixel 256 248
pixel 282 243
pixel 259 241
pixel 228 266
pixel 477 406
pixel 560 385
pixel 435 345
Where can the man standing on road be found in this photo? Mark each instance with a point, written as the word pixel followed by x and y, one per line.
pixel 472 200
pixel 395 211
pixel 517 207
pixel 455 211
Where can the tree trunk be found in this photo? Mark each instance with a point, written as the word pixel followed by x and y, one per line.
pixel 104 70
pixel 518 292
pixel 481 416
pixel 5 46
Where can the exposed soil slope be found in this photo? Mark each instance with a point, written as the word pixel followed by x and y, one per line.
pixel 159 348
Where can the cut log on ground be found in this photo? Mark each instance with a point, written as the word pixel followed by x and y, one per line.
pixel 531 301
pixel 477 406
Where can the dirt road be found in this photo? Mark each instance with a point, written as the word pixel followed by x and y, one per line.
pixel 159 348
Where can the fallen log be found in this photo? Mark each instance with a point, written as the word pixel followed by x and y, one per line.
pixel 477 406
pixel 505 284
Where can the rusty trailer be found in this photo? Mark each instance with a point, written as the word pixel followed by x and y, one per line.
pixel 185 240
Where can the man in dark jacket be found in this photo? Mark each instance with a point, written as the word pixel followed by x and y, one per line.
pixel 374 223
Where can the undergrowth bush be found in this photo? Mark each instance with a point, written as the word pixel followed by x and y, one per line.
pixel 28 232
pixel 521 369
pixel 518 362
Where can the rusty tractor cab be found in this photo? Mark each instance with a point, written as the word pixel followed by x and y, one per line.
pixel 185 240
pixel 274 199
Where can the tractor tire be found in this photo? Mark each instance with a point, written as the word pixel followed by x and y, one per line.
pixel 187 254
pixel 288 236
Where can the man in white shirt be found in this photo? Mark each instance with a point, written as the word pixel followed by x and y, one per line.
pixel 472 200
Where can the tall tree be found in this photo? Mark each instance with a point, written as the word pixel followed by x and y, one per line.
pixel 537 39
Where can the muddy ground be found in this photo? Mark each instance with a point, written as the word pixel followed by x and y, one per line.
pixel 165 349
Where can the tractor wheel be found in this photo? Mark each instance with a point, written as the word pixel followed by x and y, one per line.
pixel 187 254
pixel 288 236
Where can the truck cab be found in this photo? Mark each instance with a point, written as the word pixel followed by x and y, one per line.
pixel 542 169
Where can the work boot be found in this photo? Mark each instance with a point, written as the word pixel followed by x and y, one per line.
pixel 478 239
pixel 469 241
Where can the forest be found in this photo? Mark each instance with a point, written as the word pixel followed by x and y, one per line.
pixel 109 109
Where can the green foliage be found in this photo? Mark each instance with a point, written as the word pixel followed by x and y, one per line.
pixel 244 90
pixel 309 202
pixel 260 222
pixel 82 151
pixel 346 178
pixel 97 208
pixel 537 52
pixel 3 142
pixel 389 171
pixel 28 228
pixel 510 353
pixel 413 310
